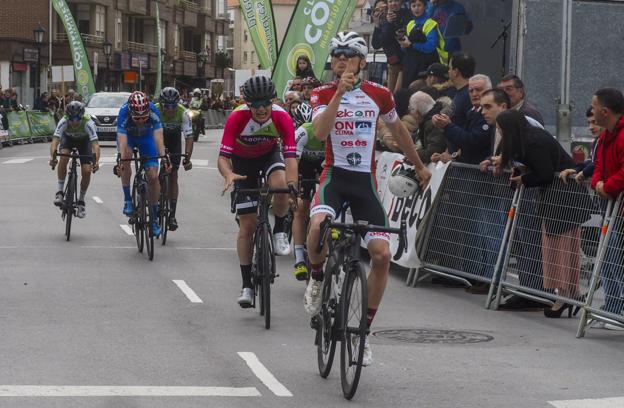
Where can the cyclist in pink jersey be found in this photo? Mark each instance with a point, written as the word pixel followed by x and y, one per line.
pixel 344 116
pixel 250 145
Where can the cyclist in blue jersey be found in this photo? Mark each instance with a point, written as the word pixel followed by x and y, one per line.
pixel 138 125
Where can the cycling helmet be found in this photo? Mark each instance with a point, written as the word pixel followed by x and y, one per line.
pixel 349 39
pixel 403 182
pixel 169 96
pixel 197 92
pixel 259 88
pixel 75 109
pixel 311 81
pixel 138 104
pixel 303 114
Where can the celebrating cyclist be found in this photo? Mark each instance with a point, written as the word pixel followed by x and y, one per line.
pixel 75 130
pixel 175 121
pixel 250 145
pixel 345 113
pixel 138 125
pixel 311 153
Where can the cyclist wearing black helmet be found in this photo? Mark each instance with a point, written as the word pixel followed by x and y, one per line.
pixel 250 144
pixel 77 130
pixel 175 121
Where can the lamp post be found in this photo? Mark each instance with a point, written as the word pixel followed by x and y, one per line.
pixel 201 62
pixel 108 50
pixel 38 33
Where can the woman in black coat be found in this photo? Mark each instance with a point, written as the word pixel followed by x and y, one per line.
pixel 543 156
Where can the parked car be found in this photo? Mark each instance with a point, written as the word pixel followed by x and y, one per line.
pixel 103 107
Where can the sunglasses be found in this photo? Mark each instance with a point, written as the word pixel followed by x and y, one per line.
pixel 260 104
pixel 170 105
pixel 344 52
pixel 75 118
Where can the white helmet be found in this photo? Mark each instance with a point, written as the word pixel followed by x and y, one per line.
pixel 196 91
pixel 349 39
pixel 403 182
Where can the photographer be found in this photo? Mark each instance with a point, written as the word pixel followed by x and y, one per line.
pixel 389 17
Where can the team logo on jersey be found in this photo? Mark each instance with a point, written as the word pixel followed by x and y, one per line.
pixel 344 128
pixel 348 113
pixel 364 127
pixel 354 159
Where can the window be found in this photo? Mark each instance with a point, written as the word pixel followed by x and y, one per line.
pixel 100 21
pixel 253 57
pixel 208 46
pixel 163 34
pixel 118 30
pixel 83 17
pixel 244 35
pixel 245 57
pixel 221 42
pixel 176 38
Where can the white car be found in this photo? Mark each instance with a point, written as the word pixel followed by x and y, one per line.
pixel 103 107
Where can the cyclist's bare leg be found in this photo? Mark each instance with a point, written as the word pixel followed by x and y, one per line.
pixel 173 185
pixel 154 184
pixel 61 169
pixel 302 214
pixel 313 239
pixel 244 243
pixel 126 175
pixel 379 251
pixel 85 171
pixel 277 179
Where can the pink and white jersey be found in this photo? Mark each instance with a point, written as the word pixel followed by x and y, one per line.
pixel 351 142
pixel 244 137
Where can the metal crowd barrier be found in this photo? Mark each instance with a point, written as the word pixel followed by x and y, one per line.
pixel 28 127
pixel 214 119
pixel 469 226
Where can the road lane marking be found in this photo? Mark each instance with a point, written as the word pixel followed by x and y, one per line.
pixel 97 200
pixel 18 161
pixel 186 289
pixel 124 391
pixel 127 229
pixel 208 168
pixel 264 374
pixel 590 403
pixel 200 162
pixel 108 159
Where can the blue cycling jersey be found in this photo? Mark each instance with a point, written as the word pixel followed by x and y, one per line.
pixel 126 126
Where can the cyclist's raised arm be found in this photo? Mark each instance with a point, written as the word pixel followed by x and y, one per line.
pixel 325 109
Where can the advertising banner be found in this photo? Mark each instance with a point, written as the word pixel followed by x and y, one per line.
pixel 259 17
pixel 18 125
pixel 41 124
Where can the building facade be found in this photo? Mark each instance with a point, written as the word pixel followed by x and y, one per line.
pixel 193 32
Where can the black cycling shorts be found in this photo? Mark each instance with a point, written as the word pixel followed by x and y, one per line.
pixel 83 144
pixel 174 145
pixel 309 170
pixel 267 164
pixel 359 190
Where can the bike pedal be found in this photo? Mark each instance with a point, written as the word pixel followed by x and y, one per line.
pixel 314 323
pixel 130 221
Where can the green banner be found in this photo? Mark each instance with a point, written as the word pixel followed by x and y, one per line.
pixel 82 70
pixel 259 17
pixel 312 25
pixel 19 128
pixel 41 124
pixel 159 60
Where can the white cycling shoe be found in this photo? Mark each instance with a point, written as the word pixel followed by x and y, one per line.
pixel 245 300
pixel 81 210
pixel 312 297
pixel 282 246
pixel 367 358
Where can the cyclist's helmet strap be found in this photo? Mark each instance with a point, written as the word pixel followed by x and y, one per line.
pixel 138 104
pixel 349 39
pixel 75 109
pixel 259 88
pixel 169 96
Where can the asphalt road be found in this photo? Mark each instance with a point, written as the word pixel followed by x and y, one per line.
pixel 93 323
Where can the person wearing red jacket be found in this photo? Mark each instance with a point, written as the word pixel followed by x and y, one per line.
pixel 608 181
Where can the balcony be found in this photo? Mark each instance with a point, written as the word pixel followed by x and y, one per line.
pixel 188 5
pixel 87 39
pixel 140 47
pixel 187 55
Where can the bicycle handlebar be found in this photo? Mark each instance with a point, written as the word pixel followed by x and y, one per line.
pixel 361 227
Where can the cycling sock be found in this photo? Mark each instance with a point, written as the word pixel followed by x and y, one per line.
pixel 82 195
pixel 370 315
pixel 126 191
pixel 317 272
pixel 172 207
pixel 246 273
pixel 61 185
pixel 299 253
pixel 279 224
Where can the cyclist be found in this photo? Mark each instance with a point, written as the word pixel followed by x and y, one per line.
pixel 175 121
pixel 311 153
pixel 138 125
pixel 196 100
pixel 77 130
pixel 345 113
pixel 250 145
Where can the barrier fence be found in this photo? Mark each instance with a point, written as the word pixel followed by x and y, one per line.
pixel 215 119
pixel 27 126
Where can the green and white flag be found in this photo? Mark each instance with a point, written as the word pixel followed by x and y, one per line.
pixel 159 60
pixel 259 17
pixel 313 24
pixel 82 70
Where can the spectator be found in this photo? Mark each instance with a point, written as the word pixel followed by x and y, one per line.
pixel 304 67
pixel 307 85
pixel 41 103
pixel 384 136
pixel 295 84
pixel 442 11
pixel 9 103
pixel 436 75
pixel 290 97
pixel 428 138
pixel 542 155
pixel 608 181
pixel 461 68
pixel 389 17
pixel 585 170
pixel 471 144
pixel 514 88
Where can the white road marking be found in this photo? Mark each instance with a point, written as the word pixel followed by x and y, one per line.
pixel 200 163
pixel 264 374
pixel 121 391
pixel 97 200
pixel 190 293
pixel 108 159
pixel 127 229
pixel 18 161
pixel 590 403
pixel 207 168
pixel 207 249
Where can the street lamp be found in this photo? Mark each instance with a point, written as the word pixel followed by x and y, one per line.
pixel 201 62
pixel 38 33
pixel 108 50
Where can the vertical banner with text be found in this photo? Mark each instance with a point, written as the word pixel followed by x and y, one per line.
pixel 84 80
pixel 259 17
pixel 313 24
pixel 159 59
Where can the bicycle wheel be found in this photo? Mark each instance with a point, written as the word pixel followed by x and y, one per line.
pixel 147 226
pixel 268 273
pixel 68 203
pixel 353 310
pixel 137 226
pixel 163 216
pixel 325 334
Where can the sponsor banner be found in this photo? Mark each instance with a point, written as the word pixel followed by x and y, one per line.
pixel 84 80
pixel 19 128
pixel 259 17
pixel 159 59
pixel 41 124
pixel 312 25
